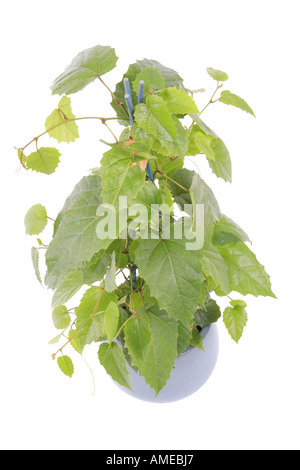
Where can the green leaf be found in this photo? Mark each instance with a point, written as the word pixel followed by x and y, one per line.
pixel 184 337
pixel 84 186
pixel 89 273
pixel 111 320
pixel 85 68
pixel 45 160
pixel 121 172
pixel 221 165
pixel 75 342
pixel 214 267
pixel 152 78
pixel 76 240
pixel 35 261
pixel 61 318
pixel 58 124
pixel 235 319
pixel 201 143
pixel 229 98
pixel 178 101
pixel 208 314
pixel 173 274
pixel 151 339
pixel 36 220
pixel 155 118
pixel 196 340
pixel 202 194
pixel 171 79
pixel 171 76
pixel 227 232
pixel 66 365
pixel 112 358
pixel 217 75
pixel 90 315
pixel 196 192
pixel 246 274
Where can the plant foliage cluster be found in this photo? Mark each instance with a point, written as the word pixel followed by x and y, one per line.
pixel 145 322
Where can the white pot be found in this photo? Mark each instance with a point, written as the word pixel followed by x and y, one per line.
pixel 191 371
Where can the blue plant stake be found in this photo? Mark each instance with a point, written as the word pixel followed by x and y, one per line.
pixel 129 105
pixel 128 99
pixel 134 276
pixel 141 92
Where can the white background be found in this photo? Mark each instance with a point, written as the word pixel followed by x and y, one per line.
pixel 252 398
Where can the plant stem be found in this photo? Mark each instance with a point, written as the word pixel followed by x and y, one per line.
pixel 35 139
pixel 212 98
pixel 123 327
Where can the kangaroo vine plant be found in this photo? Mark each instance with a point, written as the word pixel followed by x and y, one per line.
pixel 146 299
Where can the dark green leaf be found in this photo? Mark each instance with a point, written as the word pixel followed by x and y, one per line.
pixel 173 274
pixel 151 339
pixel 208 314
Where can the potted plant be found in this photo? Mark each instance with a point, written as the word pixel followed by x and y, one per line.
pixel 143 235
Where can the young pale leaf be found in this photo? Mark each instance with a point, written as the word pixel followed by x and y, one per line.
pixel 246 274
pixel 75 342
pixel 66 365
pixel 111 320
pixel 217 75
pixel 85 68
pixel 45 160
pixel 36 220
pixel 173 274
pixel 35 261
pixel 58 124
pixel 112 358
pixel 152 78
pixel 235 319
pixel 229 98
pixel 61 318
pixel 151 339
pixel 178 101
